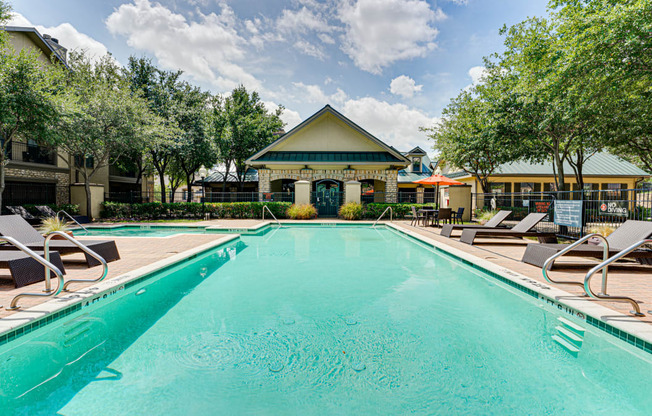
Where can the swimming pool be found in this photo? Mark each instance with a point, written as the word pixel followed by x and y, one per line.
pixel 314 320
pixel 140 230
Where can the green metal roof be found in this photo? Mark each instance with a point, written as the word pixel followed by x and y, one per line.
pixel 337 157
pixel 408 177
pixel 600 164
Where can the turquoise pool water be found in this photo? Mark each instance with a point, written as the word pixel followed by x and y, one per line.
pixel 140 231
pixel 313 321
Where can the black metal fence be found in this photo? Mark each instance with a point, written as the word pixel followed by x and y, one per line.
pixel 599 208
pixel 143 197
pixel 398 197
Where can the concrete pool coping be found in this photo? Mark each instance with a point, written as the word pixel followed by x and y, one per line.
pixel 102 289
pixel 615 323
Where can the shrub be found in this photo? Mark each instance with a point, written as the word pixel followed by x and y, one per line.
pixel 351 211
pixel 190 210
pixel 302 212
pixel 603 230
pixel 399 211
pixel 485 216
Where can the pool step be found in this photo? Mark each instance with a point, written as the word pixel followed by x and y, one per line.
pixel 569 336
pixel 566 345
pixel 572 326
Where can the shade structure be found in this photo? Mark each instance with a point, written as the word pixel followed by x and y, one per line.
pixel 436 180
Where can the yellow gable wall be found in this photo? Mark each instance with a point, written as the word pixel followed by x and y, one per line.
pixel 328 134
pixel 20 41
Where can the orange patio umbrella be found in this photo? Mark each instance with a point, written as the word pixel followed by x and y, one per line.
pixel 437 180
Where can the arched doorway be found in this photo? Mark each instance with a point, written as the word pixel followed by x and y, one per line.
pixel 327 196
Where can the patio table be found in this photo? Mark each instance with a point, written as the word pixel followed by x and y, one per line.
pixel 430 213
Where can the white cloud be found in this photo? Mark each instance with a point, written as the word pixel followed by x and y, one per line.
pixel 396 124
pixel 67 35
pixel 380 32
pixel 309 49
pixel 302 21
pixel 314 94
pixel 208 49
pixel 476 74
pixel 326 38
pixel 290 117
pixel 404 86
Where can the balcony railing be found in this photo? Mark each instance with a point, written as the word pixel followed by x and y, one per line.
pixel 32 153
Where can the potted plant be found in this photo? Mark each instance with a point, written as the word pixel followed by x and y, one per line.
pixel 51 224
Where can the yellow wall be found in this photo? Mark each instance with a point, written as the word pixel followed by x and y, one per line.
pixel 545 180
pixel 328 134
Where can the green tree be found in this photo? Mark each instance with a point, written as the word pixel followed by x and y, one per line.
pixel 467 138
pixel 161 91
pixel 244 127
pixel 103 120
pixel 27 105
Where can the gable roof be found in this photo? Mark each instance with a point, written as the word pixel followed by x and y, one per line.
pixel 416 151
pixel 600 164
pixel 393 153
pixel 46 47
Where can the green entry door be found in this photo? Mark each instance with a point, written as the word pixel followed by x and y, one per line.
pixel 327 198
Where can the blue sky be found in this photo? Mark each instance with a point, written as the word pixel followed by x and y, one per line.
pixel 389 65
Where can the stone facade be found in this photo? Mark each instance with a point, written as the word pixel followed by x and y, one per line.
pixel 389 176
pixel 61 177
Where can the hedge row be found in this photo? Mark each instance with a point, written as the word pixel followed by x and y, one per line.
pixel 237 210
pixel 190 210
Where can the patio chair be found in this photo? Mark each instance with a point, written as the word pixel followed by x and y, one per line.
pixel 417 216
pixel 18 210
pixel 494 222
pixel 630 232
pixel 16 227
pixel 522 229
pixel 442 215
pixel 24 269
pixel 457 215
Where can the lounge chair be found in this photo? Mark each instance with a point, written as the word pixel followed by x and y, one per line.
pixel 16 227
pixel 24 269
pixel 22 212
pixel 522 229
pixel 494 222
pixel 45 211
pixel 630 232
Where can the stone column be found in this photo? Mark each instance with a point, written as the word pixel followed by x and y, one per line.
pixel 264 182
pixel 391 186
pixel 352 190
pixel 302 192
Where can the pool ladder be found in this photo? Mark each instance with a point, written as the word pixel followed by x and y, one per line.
pixel 265 207
pixel 51 268
pixel 73 219
pixel 391 214
pixel 603 266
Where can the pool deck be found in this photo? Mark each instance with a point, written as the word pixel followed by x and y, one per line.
pixel 629 280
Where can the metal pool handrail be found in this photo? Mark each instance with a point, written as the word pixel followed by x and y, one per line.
pixel 49 267
pixel 46 248
pixel 265 207
pixel 74 220
pixel 391 215
pixel 603 266
pixel 548 263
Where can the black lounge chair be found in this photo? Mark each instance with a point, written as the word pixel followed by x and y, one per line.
pixel 522 229
pixel 18 210
pixel 24 269
pixel 45 211
pixel 494 222
pixel 630 232
pixel 14 226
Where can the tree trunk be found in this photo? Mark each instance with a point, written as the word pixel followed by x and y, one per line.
pixel 227 165
pixel 559 177
pixel 161 177
pixel 89 205
pixel 2 177
pixel 189 185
